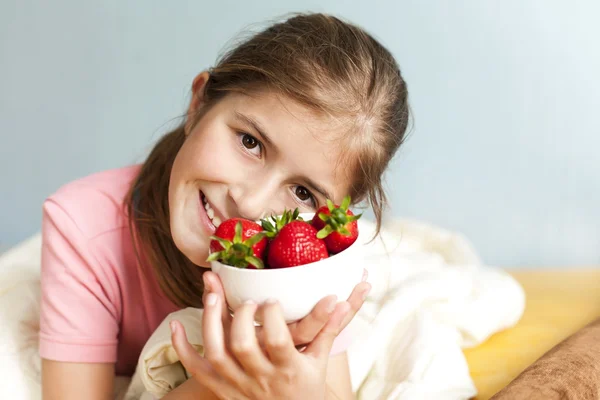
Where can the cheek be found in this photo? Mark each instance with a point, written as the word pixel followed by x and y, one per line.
pixel 209 157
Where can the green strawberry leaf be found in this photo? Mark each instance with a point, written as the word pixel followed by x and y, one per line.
pixel 345 203
pixel 255 239
pixel 330 205
pixel 214 256
pixel 255 261
pixel 237 238
pixel 323 233
pixel 226 244
pixel 267 226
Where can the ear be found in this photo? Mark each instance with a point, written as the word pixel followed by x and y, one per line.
pixel 197 100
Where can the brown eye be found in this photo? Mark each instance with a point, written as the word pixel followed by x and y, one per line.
pixel 249 142
pixel 302 193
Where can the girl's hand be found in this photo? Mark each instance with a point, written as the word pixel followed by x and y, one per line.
pixel 247 361
pixel 243 370
pixel 305 330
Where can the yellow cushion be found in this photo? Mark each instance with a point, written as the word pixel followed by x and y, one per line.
pixel 559 302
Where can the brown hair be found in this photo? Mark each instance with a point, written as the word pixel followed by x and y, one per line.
pixel 328 65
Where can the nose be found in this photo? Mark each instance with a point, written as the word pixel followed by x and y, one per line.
pixel 253 200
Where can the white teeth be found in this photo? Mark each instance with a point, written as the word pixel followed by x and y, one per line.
pixel 211 213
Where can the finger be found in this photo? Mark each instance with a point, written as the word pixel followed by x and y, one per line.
pixel 197 366
pixel 307 328
pixel 278 341
pixel 212 284
pixel 193 362
pixel 214 343
pixel 320 347
pixel 356 300
pixel 244 344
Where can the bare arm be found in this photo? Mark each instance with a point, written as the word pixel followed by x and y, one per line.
pixel 76 381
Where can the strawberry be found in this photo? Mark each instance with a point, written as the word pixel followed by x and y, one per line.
pixel 336 225
pixel 240 243
pixel 296 244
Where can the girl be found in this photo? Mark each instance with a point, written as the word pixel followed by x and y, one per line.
pixel 309 109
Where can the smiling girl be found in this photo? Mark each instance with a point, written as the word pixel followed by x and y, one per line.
pixel 309 109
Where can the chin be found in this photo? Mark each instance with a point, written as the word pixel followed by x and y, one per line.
pixel 196 254
pixel 199 260
pixel 191 246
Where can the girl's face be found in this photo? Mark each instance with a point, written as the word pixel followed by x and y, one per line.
pixel 250 157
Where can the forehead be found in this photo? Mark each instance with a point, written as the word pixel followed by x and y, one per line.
pixel 308 143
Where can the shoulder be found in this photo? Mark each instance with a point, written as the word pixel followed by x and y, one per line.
pixel 94 204
pixel 85 248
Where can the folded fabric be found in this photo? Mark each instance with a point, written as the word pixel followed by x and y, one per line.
pixel 431 297
pixel 19 322
pixel 159 370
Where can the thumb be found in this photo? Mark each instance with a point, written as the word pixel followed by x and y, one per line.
pixel 320 347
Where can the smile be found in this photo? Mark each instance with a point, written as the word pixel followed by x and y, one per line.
pixel 216 221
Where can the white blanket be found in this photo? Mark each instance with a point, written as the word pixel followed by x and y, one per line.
pixel 431 297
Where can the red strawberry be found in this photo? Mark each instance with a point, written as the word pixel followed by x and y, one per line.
pixel 337 225
pixel 240 243
pixel 296 244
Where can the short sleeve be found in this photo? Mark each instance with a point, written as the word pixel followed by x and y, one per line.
pixel 78 317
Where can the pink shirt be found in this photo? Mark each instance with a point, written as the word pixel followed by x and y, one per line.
pixel 98 305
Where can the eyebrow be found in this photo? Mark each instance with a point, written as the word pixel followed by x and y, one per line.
pixel 254 124
pixel 318 188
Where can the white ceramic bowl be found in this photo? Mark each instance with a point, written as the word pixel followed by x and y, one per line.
pixel 297 289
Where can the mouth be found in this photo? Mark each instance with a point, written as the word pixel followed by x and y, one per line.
pixel 210 212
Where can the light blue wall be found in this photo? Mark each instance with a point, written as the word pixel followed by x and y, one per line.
pixel 505 95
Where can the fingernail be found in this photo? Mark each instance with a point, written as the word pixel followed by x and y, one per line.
pixel 365 292
pixel 365 275
pixel 211 299
pixel 271 301
pixel 331 305
pixel 173 326
pixel 249 302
